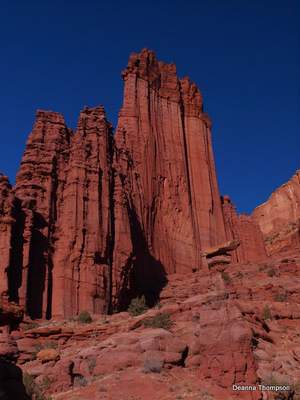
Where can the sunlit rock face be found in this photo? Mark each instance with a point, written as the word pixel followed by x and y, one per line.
pixel 165 163
pixel 279 217
pixel 65 186
pixel 96 219
pixel 246 229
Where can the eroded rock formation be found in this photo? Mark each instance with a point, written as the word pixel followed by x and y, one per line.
pixel 279 217
pixel 95 220
pixel 6 223
pixel 243 227
pixel 165 163
pixel 65 188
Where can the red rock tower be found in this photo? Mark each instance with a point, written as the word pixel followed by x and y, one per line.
pixel 165 164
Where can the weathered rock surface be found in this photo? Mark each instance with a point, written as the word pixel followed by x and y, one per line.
pixel 93 225
pixel 95 220
pixel 6 222
pixel 64 186
pixel 246 229
pixel 164 162
pixel 47 355
pixel 10 312
pixel 279 217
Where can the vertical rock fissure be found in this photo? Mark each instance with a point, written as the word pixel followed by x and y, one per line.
pixel 51 228
pixel 196 233
pixel 111 150
pixel 14 273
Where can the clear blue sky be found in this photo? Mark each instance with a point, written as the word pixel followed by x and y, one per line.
pixel 243 55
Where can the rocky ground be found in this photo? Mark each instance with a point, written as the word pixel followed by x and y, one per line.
pixel 243 328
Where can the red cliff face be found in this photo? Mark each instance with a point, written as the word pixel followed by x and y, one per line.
pixel 6 222
pixel 65 186
pixel 95 220
pixel 165 163
pixel 247 230
pixel 279 217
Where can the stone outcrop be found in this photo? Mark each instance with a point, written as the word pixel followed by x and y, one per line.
pixel 95 219
pixel 6 223
pixel 246 229
pixel 10 312
pixel 279 217
pixel 164 162
pixel 65 187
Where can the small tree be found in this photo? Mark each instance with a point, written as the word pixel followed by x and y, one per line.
pixel 137 306
pixel 226 277
pixel 266 313
pixel 84 317
pixel 271 272
pixel 161 320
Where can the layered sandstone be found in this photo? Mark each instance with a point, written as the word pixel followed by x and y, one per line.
pixel 165 163
pixel 246 229
pixel 279 217
pixel 94 221
pixel 6 223
pixel 65 187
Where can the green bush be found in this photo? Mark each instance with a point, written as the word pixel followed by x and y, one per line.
pixel 280 297
pixel 266 313
pixel 31 325
pixel 263 267
pixel 161 320
pixel 36 391
pixel 226 277
pixel 84 317
pixel 137 306
pixel 271 272
pixel 239 275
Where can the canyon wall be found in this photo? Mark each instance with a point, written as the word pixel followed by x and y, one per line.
pixel 164 162
pixel 279 217
pixel 243 227
pixel 96 219
pixel 64 187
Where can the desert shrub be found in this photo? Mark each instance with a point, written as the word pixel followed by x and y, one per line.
pixel 239 275
pixel 266 313
pixel 152 363
pixel 158 305
pixel 137 306
pixel 271 272
pixel 80 381
pixel 28 382
pixel 226 277
pixel 36 391
pixel 31 325
pixel 280 297
pixel 161 320
pixel 102 388
pixel 84 317
pixel 263 267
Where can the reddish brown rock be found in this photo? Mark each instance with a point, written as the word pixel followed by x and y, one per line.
pixel 165 163
pixel 6 222
pixel 47 355
pixel 8 347
pixel 65 187
pixel 245 228
pixel 279 217
pixel 10 312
